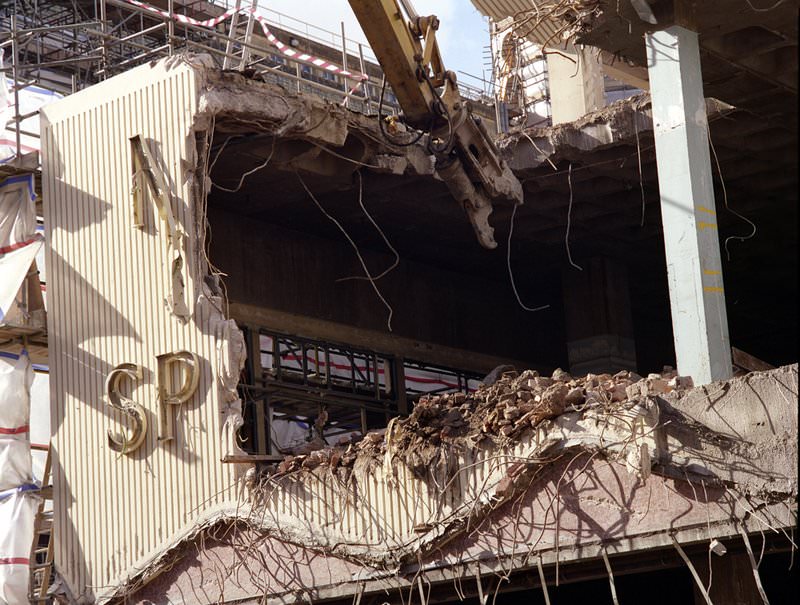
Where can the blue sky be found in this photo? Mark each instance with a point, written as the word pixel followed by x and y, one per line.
pixel 463 33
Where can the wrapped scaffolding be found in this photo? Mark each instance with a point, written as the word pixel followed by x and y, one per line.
pixel 18 499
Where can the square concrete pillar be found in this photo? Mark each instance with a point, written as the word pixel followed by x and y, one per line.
pixel 599 323
pixel 691 240
pixel 576 83
pixel 733 580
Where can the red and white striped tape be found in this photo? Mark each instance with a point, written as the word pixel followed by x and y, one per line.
pixel 17 430
pixel 409 373
pixel 283 48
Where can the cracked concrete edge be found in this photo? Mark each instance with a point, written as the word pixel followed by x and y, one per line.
pixel 390 556
pixel 232 96
pixel 559 435
pixel 614 125
pixel 757 416
pixel 380 583
pixel 686 449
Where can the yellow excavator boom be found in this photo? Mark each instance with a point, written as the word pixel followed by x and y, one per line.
pixel 466 157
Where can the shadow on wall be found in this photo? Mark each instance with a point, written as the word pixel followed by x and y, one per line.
pixel 107 284
pixel 230 562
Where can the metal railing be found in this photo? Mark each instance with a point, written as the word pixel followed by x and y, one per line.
pixel 295 381
pixel 59 48
pixel 64 52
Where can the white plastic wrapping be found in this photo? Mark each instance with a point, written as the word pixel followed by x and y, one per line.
pixel 17 211
pixel 16 378
pixel 5 98
pixel 19 242
pixel 15 463
pixel 17 503
pixel 14 266
pixel 17 512
pixel 40 422
pixel 31 99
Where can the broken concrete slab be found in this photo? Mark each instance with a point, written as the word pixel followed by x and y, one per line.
pixel 620 123
pixel 641 470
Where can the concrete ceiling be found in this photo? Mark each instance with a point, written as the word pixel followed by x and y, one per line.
pixel 749 61
pixel 615 213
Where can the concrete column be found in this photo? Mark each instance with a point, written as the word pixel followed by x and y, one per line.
pixel 733 582
pixel 576 83
pixel 694 269
pixel 598 318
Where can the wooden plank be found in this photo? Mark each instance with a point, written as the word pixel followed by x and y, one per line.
pixel 748 362
pixel 251 458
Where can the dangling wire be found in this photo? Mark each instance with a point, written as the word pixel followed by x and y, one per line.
pixel 766 8
pixel 569 220
pixel 510 272
pixel 741 238
pixel 355 247
pixel 639 156
pixel 249 172
pixel 379 230
pixel 537 148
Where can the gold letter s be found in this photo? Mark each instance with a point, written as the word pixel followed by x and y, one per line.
pixel 118 441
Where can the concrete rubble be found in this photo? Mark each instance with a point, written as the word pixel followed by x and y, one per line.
pixel 413 496
pixel 499 413
pixel 621 122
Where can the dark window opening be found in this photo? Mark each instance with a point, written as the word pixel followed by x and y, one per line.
pixel 301 394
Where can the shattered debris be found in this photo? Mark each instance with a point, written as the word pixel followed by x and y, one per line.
pixel 569 19
pixel 365 509
pixel 498 412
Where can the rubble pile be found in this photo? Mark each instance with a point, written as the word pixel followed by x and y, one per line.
pixel 570 18
pixel 501 411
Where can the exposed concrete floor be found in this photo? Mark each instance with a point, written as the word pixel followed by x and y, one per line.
pixel 615 206
pixel 703 461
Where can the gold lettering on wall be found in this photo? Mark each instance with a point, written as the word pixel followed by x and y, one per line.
pixel 178 378
pixel 119 442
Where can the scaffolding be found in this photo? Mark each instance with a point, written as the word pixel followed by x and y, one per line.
pixel 292 381
pixel 66 45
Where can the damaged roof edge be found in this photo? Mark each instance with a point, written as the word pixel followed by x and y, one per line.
pixel 649 431
pixel 621 122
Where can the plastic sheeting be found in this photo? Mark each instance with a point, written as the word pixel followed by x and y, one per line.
pixel 16 378
pixel 31 99
pixel 17 212
pixel 5 102
pixel 14 266
pixel 18 499
pixel 16 462
pixel 19 241
pixel 17 512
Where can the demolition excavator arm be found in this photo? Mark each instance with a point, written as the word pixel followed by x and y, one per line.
pixel 466 157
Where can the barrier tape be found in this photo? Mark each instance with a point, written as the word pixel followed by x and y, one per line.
pixel 347 367
pixel 283 48
pixel 26 487
pixel 19 245
pixel 16 430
